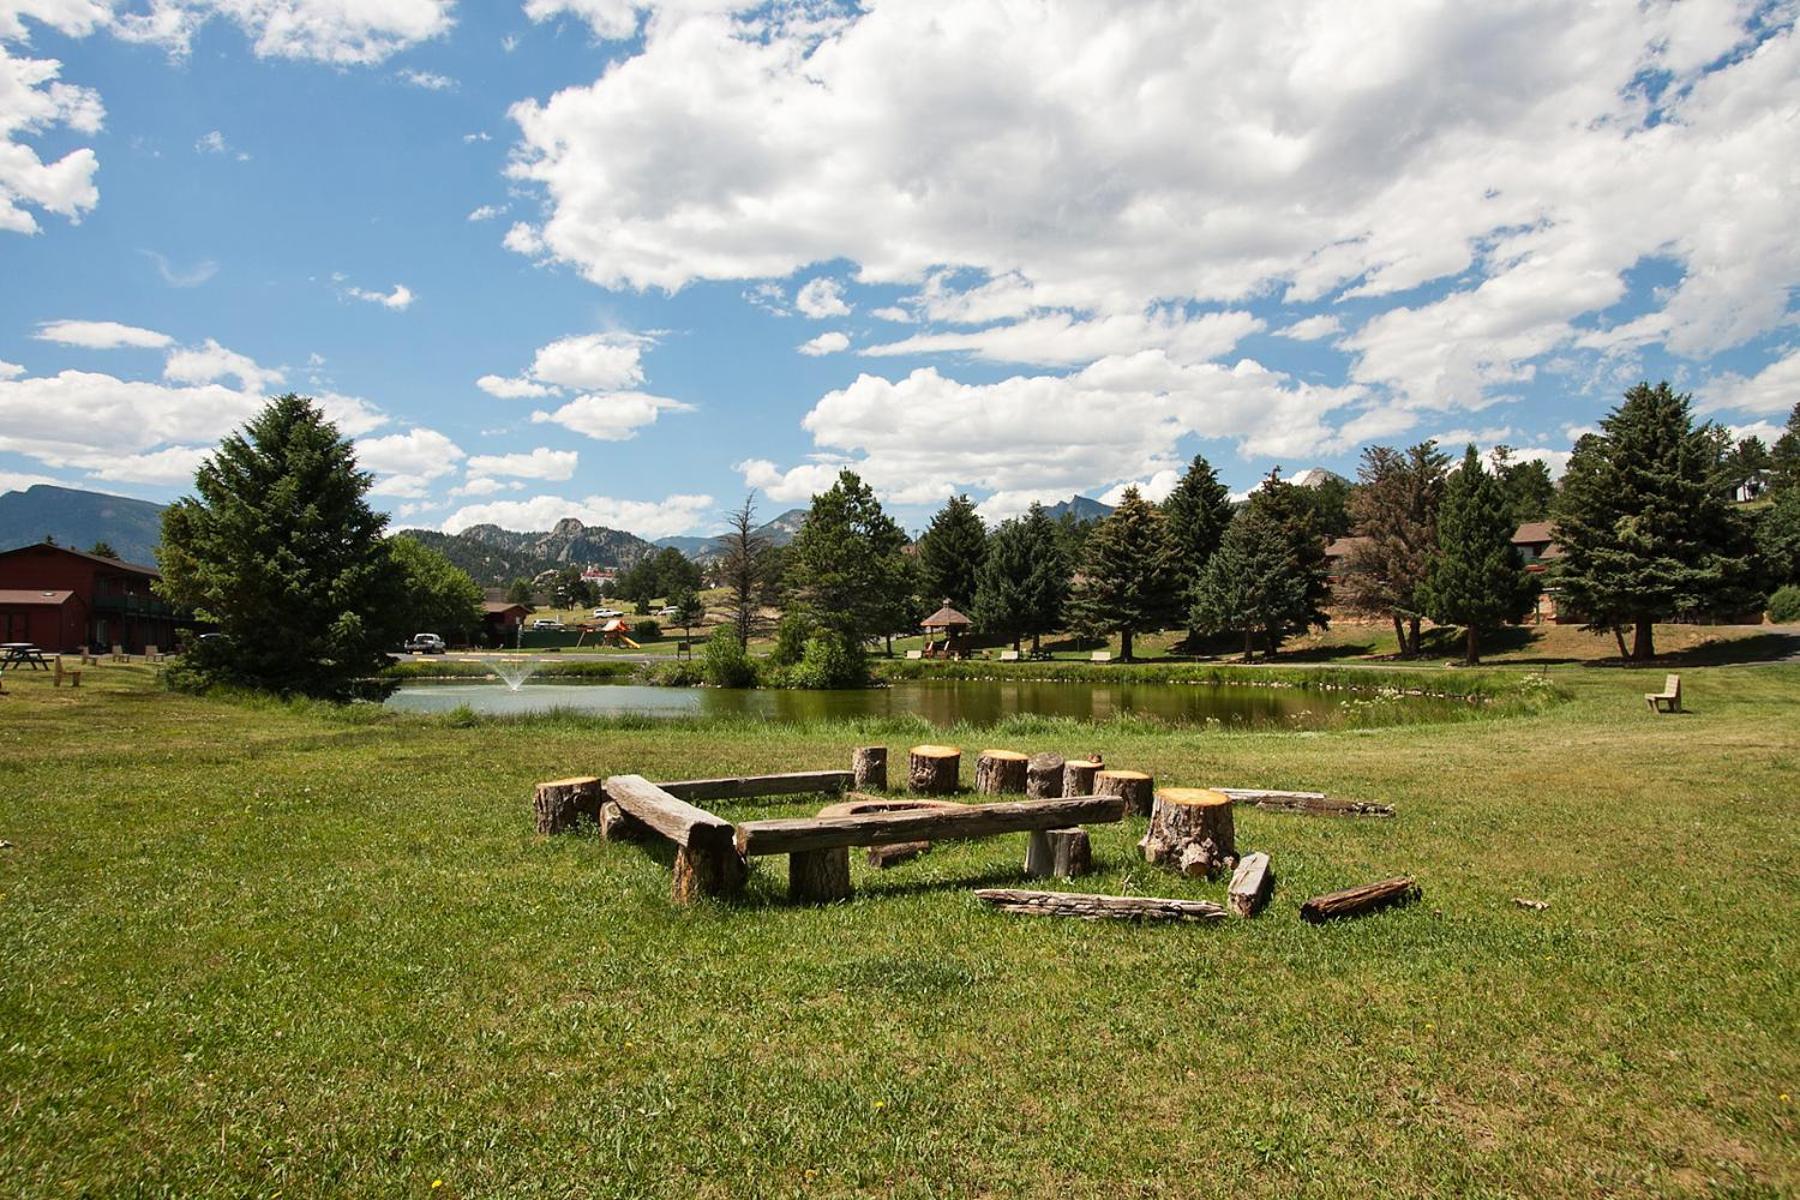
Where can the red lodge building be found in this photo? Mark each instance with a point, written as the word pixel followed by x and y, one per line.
pixel 61 599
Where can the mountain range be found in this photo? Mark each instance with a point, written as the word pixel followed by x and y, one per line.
pixel 491 555
pixel 79 519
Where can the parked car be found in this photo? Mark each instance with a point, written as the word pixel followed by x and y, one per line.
pixel 425 643
pixel 547 623
pixel 667 610
pixel 603 613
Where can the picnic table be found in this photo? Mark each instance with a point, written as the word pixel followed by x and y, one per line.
pixel 13 653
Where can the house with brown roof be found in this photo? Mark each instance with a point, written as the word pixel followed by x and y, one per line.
pixel 61 600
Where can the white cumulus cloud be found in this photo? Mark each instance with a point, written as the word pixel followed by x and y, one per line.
pixel 611 417
pixel 540 463
pixel 825 343
pixel 822 297
pixel 101 335
pixel 400 299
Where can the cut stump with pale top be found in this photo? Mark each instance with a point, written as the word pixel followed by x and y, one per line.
pixel 1136 788
pixel 1191 830
pixel 1000 771
pixel 933 770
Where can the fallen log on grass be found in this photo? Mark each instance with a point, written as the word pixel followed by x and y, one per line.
pixel 1309 803
pixel 892 855
pixel 1354 902
pixel 1099 908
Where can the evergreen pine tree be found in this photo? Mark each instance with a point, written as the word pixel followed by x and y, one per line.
pixel 1478 579
pixel 1253 584
pixel 847 571
pixel 1024 580
pixel 103 549
pixel 1784 456
pixel 1778 539
pixel 743 570
pixel 1198 512
pixel 1131 573
pixel 281 549
pixel 1295 513
pixel 1527 484
pixel 1646 531
pixel 951 551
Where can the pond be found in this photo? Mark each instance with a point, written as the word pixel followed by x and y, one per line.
pixel 942 702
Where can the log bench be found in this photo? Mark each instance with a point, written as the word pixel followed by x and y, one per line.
pixel 740 787
pixel 707 862
pixel 818 848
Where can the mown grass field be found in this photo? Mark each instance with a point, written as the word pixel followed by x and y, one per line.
pixel 251 950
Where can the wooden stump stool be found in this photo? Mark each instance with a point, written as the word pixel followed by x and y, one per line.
pixel 819 876
pixel 560 803
pixel 868 768
pixel 1044 777
pixel 1078 776
pixel 1191 830
pixel 933 770
pixel 998 771
pixel 1136 788
pixel 1064 853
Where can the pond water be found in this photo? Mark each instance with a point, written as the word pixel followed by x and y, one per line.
pixel 942 702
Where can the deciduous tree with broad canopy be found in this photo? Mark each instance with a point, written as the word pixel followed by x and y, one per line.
pixel 280 548
pixel 1646 529
pixel 437 595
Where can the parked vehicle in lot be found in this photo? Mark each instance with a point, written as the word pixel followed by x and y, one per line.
pixel 425 643
pixel 603 613
pixel 547 623
pixel 667 610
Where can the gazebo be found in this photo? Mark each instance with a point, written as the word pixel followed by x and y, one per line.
pixel 949 625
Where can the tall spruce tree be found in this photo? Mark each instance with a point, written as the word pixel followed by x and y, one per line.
pixel 1024 579
pixel 1647 532
pixel 1131 577
pixel 1527 484
pixel 1784 456
pixel 1253 584
pixel 951 551
pixel 281 549
pixel 1478 579
pixel 846 566
pixel 1778 540
pixel 1198 512
pixel 1395 507
pixel 1291 508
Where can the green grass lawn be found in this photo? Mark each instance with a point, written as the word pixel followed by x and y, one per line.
pixel 255 949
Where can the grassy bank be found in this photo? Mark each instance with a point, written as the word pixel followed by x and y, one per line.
pixel 260 948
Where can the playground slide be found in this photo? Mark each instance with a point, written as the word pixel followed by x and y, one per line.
pixel 629 642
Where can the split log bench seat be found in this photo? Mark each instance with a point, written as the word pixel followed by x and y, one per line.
pixel 740 787
pixel 818 848
pixel 707 862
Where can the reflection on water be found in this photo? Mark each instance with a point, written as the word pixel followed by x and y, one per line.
pixel 941 702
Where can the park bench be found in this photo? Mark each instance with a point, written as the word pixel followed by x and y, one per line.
pixel 1101 656
pixel 915 654
pixel 1667 700
pixel 1009 656
pixel 818 848
pixel 152 653
pixel 62 673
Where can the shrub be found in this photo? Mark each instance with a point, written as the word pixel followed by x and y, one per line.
pixel 646 631
pixel 726 664
pixel 830 661
pixel 1784 605
pixel 790 640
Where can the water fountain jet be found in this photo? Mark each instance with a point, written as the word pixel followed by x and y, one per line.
pixel 514 674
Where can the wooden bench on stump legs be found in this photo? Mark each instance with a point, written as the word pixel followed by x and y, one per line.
pixel 707 862
pixel 1667 700
pixel 818 848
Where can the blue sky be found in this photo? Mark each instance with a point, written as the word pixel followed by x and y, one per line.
pixel 626 261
